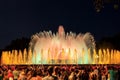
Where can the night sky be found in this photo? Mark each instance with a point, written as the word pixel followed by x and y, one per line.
pixel 23 18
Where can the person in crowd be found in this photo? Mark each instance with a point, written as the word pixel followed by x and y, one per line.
pixel 103 76
pixel 15 73
pixel 79 72
pixel 29 75
pixel 22 76
pixel 10 75
pixel 39 75
pixel 1 75
pixel 55 73
pixel 49 75
pixel 5 75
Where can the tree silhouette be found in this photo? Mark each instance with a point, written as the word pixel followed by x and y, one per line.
pixel 109 42
pixel 18 44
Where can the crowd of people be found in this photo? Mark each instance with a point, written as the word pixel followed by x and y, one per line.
pixel 60 72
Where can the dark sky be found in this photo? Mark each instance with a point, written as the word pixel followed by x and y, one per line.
pixel 23 18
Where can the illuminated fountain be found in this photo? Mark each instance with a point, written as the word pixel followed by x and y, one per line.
pixel 61 48
pixel 104 56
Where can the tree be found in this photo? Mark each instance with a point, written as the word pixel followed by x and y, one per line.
pixel 18 44
pixel 109 42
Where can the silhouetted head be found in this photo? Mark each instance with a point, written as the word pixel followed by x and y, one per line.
pixel 50 70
